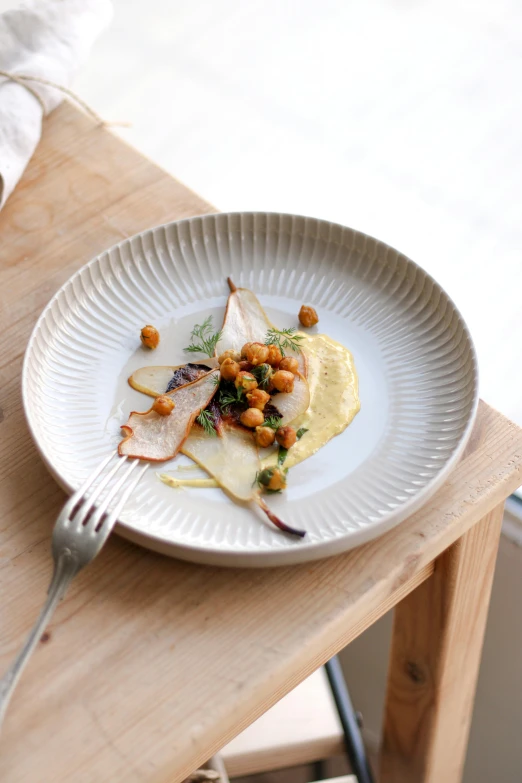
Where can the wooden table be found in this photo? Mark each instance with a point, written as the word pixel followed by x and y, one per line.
pixel 150 664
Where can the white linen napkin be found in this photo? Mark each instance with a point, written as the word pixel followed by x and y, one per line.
pixel 49 39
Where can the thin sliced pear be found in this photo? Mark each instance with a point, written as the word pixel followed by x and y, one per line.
pixel 246 322
pixel 233 460
pixel 292 405
pixel 154 380
pixel 158 438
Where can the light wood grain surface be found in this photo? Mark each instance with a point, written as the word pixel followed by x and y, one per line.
pixel 437 643
pixel 151 665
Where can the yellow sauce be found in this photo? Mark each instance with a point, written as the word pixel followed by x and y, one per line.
pixel 334 397
pixel 334 401
pixel 171 481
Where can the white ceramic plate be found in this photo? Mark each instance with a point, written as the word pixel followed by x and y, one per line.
pixel 414 356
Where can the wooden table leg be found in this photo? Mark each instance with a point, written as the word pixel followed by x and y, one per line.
pixel 437 641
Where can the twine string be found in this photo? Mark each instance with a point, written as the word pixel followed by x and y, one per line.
pixel 23 81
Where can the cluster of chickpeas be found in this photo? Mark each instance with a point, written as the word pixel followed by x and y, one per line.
pixel 279 372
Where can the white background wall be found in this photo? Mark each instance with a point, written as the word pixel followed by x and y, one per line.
pixel 401 118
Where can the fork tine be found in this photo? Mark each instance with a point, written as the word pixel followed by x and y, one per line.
pixel 78 495
pixel 88 504
pixel 113 516
pixel 101 509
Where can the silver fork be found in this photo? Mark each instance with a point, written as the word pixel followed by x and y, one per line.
pixel 81 530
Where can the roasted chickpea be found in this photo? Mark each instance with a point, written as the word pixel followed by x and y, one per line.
pixel 163 405
pixel 229 354
pixel 289 363
pixel 274 354
pixel 150 336
pixel 246 381
pixel 265 436
pixel 272 478
pixel 283 381
pixel 286 437
pixel 308 316
pixel 256 353
pixel 229 369
pixel 257 398
pixel 244 349
pixel 252 417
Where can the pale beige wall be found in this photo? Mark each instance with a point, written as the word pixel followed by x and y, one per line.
pixel 495 748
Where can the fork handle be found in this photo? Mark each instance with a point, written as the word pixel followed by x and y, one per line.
pixel 65 569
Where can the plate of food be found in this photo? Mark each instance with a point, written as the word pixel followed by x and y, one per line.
pixel 297 387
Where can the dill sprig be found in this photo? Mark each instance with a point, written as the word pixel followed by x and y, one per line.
pixel 262 373
pixel 230 397
pixel 284 338
pixel 216 380
pixel 274 422
pixel 208 339
pixel 206 419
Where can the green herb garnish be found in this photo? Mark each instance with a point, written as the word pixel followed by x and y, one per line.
pixel 262 373
pixel 300 432
pixel 208 339
pixel 230 397
pixel 206 419
pixel 284 338
pixel 274 422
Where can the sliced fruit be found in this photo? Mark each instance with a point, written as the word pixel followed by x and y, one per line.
pixel 246 322
pixel 158 438
pixel 232 459
pixel 160 379
pixel 292 405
